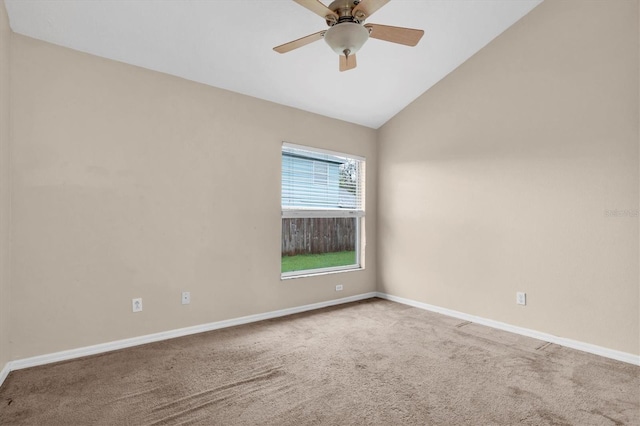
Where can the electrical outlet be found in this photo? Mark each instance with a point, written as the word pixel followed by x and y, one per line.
pixel 136 304
pixel 186 297
pixel 339 287
pixel 521 298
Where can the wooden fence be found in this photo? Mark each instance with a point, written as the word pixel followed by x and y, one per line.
pixel 318 235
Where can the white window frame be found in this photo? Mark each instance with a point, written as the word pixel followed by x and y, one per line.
pixel 358 213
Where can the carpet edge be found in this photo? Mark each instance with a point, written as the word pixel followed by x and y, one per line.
pixel 562 341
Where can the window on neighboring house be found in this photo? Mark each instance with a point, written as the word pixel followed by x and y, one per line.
pixel 322 211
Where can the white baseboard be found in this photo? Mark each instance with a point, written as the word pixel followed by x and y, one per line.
pixel 562 341
pixel 5 372
pixel 150 338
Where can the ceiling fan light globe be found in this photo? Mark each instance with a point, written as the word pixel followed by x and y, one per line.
pixel 346 36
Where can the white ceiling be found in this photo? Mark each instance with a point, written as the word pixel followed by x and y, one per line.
pixel 228 44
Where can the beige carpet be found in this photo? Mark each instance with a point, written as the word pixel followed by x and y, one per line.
pixel 372 362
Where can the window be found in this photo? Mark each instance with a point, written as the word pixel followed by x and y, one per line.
pixel 322 211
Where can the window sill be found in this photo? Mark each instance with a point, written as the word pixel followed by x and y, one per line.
pixel 315 273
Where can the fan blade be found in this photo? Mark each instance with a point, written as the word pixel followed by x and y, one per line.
pixel 347 62
pixel 400 35
pixel 368 7
pixel 319 9
pixel 287 47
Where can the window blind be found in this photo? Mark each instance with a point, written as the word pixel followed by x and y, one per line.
pixel 304 193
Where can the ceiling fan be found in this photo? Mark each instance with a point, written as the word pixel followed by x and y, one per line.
pixel 347 31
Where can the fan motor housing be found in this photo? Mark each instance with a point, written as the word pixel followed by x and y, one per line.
pixel 339 5
pixel 343 8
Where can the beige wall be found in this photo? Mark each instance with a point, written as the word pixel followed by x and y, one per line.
pixel 131 183
pixel 5 276
pixel 498 179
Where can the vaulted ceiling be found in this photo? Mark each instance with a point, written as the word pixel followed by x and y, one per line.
pixel 228 44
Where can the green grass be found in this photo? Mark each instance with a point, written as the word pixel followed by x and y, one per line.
pixel 314 261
